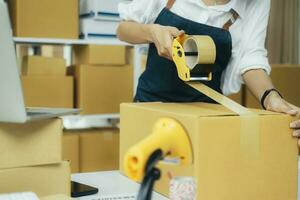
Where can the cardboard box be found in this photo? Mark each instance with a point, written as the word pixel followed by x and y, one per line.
pixel 100 90
pixel 220 167
pixel 100 55
pixel 54 51
pixel 71 149
pixel 48 91
pixel 57 197
pixel 43 180
pixel 45 18
pixel 99 150
pixel 285 79
pixel 33 143
pixel 39 65
pixel 21 52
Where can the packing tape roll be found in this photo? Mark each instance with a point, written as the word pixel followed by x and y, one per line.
pixel 205 48
pixel 250 124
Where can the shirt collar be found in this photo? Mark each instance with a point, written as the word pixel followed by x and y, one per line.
pixel 237 5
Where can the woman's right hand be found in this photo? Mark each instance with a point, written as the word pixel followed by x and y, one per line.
pixel 162 37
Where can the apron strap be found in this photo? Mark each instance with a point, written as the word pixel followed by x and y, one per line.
pixel 170 4
pixel 232 20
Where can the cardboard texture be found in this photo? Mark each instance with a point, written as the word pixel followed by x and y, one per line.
pixel 71 150
pixel 100 90
pixel 285 79
pixel 57 197
pixel 55 51
pixel 48 91
pixel 39 65
pixel 99 150
pixel 33 143
pixel 43 180
pixel 45 18
pixel 100 55
pixel 218 161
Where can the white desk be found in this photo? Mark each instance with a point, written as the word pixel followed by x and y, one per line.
pixel 111 185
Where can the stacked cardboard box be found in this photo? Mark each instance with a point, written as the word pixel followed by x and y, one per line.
pixel 45 83
pixel 70 149
pixel 285 79
pixel 45 18
pixel 31 158
pixel 92 149
pixel 103 78
pixel 222 162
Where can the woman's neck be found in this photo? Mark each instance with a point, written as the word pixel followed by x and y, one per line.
pixel 215 2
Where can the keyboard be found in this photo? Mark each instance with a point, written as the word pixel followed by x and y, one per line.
pixel 19 196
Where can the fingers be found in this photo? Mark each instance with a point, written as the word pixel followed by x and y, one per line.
pixel 295 125
pixel 297 109
pixel 163 39
pixel 175 32
pixel 296 133
pixel 165 47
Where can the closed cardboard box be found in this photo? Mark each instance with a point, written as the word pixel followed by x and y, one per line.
pixel 57 197
pixel 39 65
pixel 100 55
pixel 45 18
pixel 54 51
pixel 33 143
pixel 43 180
pixel 100 90
pixel 99 150
pixel 48 91
pixel 70 150
pixel 286 79
pixel 220 166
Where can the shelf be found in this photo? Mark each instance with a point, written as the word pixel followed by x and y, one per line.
pixel 98 41
pixel 91 121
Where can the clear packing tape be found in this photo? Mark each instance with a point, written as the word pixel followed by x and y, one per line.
pixel 204 51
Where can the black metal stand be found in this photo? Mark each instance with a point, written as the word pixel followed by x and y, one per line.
pixel 152 174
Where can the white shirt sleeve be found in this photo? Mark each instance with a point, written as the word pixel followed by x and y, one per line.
pixel 252 52
pixel 141 11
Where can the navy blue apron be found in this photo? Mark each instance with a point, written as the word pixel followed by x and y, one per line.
pixel 160 82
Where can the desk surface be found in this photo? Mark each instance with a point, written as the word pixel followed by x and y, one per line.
pixel 112 185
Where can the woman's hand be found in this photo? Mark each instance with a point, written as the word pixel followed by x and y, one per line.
pixel 274 102
pixel 162 37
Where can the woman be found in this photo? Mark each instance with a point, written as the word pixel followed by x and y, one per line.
pixel 238 27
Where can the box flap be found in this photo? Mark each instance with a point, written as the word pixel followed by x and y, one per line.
pixel 193 109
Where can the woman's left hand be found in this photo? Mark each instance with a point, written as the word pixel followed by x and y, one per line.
pixel 275 103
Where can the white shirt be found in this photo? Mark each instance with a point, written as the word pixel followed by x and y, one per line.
pixel 248 32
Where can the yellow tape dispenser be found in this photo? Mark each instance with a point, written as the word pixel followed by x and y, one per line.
pixel 194 57
pixel 168 139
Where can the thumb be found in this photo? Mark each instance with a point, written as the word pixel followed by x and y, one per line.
pixel 175 32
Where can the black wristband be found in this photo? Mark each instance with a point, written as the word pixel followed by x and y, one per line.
pixel 267 92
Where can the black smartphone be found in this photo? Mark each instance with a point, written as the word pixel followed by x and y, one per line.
pixel 79 189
